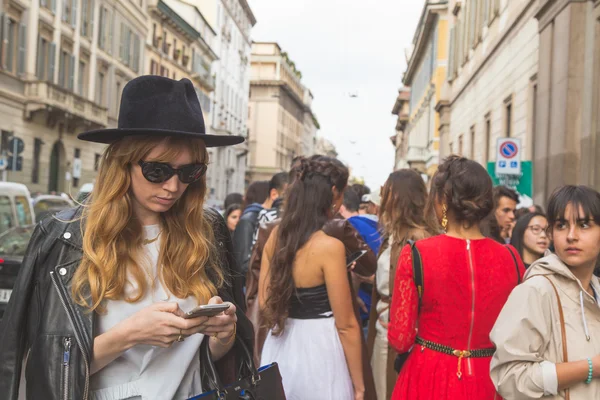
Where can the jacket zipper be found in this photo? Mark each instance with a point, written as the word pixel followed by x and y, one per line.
pixel 65 369
pixel 61 296
pixel 472 271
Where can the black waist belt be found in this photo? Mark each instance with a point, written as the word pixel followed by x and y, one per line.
pixel 475 353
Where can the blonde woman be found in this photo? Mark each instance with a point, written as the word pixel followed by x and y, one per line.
pixel 98 308
pixel 403 217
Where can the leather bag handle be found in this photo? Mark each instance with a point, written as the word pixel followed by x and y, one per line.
pixel 563 331
pixel 211 369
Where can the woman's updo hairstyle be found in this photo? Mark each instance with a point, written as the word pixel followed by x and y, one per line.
pixel 465 187
pixel 331 169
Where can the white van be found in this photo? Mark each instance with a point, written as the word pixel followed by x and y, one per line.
pixel 15 206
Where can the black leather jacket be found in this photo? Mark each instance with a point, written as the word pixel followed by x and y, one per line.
pixel 243 236
pixel 43 321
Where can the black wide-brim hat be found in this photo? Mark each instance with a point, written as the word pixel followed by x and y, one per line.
pixel 159 106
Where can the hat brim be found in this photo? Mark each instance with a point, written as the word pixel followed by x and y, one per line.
pixel 108 136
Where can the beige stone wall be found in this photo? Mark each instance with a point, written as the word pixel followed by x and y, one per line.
pixel 12 120
pixel 501 68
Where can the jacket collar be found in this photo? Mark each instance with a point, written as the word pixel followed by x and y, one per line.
pixel 71 232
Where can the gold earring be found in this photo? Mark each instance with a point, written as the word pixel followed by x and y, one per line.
pixel 444 217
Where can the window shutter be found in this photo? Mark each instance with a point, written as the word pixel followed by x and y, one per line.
pixel 101 31
pixel 122 42
pixel 39 69
pixel 128 47
pixel 22 46
pixel 109 22
pixel 136 53
pixel 71 72
pixel 83 25
pixel 91 5
pixel 51 61
pixel 472 23
pixel 73 13
pixel 451 51
pixel 5 38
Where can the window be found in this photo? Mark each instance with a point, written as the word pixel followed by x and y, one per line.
pixel 6 214
pixel 35 171
pixel 488 135
pixel 49 4
pixel 105 30
pixel 42 55
pixel 66 70
pixel 508 117
pixel 23 209
pixel 118 94
pixel 87 17
pixel 175 49
pixel 61 68
pixel 69 11
pixel 153 67
pixel 81 79
pixel 460 145
pixel 472 140
pixel 100 89
pixel 97 158
pixel 77 159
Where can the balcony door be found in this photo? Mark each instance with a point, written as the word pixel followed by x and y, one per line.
pixel 56 181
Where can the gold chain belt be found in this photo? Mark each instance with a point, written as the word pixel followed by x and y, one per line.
pixel 475 353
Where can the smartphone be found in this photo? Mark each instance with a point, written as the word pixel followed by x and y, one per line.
pixel 354 256
pixel 206 310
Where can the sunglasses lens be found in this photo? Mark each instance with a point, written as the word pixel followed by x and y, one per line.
pixel 157 172
pixel 192 173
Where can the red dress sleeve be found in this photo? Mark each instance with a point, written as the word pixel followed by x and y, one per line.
pixel 402 329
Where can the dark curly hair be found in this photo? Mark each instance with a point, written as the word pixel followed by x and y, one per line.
pixel 307 207
pixel 465 187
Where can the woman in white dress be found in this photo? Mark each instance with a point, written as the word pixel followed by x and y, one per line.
pixel 304 291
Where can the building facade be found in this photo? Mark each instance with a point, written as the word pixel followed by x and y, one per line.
pixel 492 77
pixel 400 138
pixel 277 112
pixel 325 148
pixel 566 140
pixel 63 64
pixel 311 126
pixel 426 75
pixel 233 22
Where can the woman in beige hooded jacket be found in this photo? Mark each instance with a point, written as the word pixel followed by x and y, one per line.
pixel 529 362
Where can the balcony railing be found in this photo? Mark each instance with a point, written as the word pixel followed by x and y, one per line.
pixel 48 96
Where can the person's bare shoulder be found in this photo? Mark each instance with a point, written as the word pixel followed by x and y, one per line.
pixel 326 245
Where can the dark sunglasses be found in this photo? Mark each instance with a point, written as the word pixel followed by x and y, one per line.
pixel 157 172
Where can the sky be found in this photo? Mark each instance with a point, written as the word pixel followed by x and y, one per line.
pixel 345 47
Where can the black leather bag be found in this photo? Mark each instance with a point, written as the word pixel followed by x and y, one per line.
pixel 253 384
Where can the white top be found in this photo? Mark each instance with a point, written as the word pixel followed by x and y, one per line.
pixel 148 372
pixel 382 278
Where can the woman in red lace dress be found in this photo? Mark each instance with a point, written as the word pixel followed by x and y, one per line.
pixel 466 281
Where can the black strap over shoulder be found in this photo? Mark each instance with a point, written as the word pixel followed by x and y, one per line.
pixel 417 265
pixel 516 263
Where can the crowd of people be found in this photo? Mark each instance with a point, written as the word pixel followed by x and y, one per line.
pixel 413 291
pixel 477 300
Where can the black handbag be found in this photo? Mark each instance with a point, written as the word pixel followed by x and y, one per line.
pixel 263 383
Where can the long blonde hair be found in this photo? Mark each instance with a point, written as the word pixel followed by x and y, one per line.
pixel 112 237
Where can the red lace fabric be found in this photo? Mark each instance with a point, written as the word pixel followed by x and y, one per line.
pixel 464 291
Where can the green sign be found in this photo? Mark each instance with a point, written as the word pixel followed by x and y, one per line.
pixel 522 184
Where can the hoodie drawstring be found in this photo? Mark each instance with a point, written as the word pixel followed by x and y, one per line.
pixel 587 332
